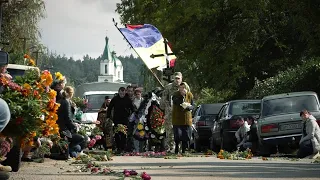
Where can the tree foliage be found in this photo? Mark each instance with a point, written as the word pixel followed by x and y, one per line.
pixel 227 44
pixel 20 20
pixel 300 78
pixel 88 69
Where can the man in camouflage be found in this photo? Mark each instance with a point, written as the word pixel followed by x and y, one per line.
pixel 167 106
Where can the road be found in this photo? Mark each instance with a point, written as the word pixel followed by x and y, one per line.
pixel 187 168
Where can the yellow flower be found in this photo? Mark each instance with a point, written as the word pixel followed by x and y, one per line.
pixel 31 62
pixel 140 126
pixel 52 94
pixel 26 86
pixel 142 133
pixel 59 76
pixel 33 134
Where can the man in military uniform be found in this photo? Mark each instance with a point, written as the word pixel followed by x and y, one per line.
pixel 166 104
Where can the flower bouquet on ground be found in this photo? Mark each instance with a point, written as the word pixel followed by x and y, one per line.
pixel 237 155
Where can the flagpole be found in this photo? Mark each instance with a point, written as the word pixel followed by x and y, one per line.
pixel 116 25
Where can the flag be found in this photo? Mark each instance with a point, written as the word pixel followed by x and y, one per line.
pixel 146 41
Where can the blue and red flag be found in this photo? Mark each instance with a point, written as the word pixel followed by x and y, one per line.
pixel 147 40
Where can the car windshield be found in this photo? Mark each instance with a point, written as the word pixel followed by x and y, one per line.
pixel 242 108
pixel 15 72
pixel 211 109
pixel 289 105
pixel 95 101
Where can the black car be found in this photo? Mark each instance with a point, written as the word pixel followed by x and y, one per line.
pixel 203 119
pixel 225 124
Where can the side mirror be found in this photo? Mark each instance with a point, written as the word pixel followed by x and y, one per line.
pixel 4 58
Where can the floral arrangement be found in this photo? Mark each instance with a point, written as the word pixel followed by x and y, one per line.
pixel 93 141
pixel 237 155
pixel 80 103
pixel 121 129
pixel 32 105
pixel 157 120
pixel 141 131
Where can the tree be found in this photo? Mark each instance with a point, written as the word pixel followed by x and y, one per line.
pixel 20 20
pixel 226 45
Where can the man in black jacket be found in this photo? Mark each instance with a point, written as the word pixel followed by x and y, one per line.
pixel 122 108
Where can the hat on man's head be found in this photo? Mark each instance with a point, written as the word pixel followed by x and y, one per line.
pixel 177 74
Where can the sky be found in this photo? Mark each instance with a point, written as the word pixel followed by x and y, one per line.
pixel 78 27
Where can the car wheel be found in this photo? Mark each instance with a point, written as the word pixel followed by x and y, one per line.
pixel 264 150
pixel 225 145
pixel 213 146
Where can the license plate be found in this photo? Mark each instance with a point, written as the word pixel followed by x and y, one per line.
pixel 285 127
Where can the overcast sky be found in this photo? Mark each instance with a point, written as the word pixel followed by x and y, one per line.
pixel 78 27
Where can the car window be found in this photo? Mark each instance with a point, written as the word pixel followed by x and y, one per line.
pixel 289 105
pixel 198 111
pixel 241 108
pixel 95 101
pixel 222 112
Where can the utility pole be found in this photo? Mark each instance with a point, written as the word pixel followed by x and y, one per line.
pixel 24 43
pixel 1 2
pixel 37 56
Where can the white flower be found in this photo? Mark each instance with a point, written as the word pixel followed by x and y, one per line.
pixel 161 137
pixel 153 136
pixel 146 128
pixel 42 117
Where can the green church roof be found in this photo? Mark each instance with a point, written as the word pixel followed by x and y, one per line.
pixel 108 55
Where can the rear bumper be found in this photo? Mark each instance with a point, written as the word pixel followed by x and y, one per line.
pixel 204 133
pixel 279 140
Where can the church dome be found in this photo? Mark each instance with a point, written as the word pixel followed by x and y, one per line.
pixel 118 62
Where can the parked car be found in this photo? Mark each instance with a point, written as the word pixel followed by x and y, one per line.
pixel 95 100
pixel 203 120
pixel 16 70
pixel 280 123
pixel 225 124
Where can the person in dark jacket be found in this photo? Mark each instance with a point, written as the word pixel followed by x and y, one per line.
pixel 66 126
pixel 122 108
pixel 59 85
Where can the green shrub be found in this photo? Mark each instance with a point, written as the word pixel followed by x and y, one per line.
pixel 305 77
pixel 209 96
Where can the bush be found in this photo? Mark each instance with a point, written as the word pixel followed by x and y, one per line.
pixel 209 96
pixel 304 77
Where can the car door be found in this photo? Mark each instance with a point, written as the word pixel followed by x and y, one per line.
pixel 217 124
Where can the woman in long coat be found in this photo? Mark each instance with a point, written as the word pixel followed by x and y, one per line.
pixel 182 117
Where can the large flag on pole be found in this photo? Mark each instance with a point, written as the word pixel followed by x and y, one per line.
pixel 146 41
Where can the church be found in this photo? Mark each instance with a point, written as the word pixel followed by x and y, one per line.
pixel 111 74
pixel 111 69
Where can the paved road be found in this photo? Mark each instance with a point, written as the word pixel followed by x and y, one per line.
pixel 184 168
